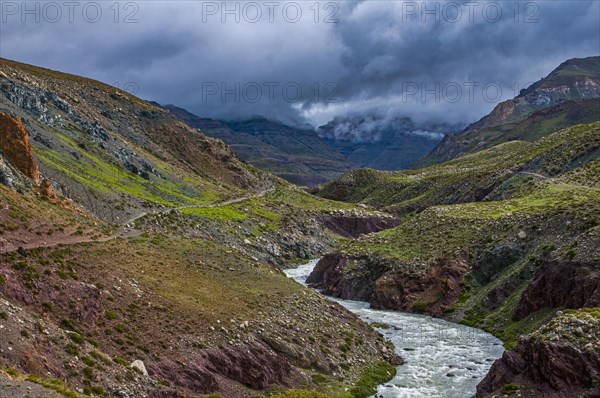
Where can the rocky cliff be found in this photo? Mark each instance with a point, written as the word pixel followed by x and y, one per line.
pixel 561 285
pixel 385 286
pixel 15 145
pixel 561 359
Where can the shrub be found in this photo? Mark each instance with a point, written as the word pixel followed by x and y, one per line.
pixel 76 337
pixel 319 378
pixel 88 361
pixel 344 347
pixel 72 349
pixel 380 325
pixel 510 389
pixel 88 373
pixel 121 361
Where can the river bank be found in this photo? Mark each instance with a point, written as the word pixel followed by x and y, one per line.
pixel 442 359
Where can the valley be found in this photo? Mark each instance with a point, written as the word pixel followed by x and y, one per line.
pixel 141 258
pixel 504 239
pixel 144 223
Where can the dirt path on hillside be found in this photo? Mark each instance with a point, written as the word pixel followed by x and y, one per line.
pixel 541 177
pixel 126 229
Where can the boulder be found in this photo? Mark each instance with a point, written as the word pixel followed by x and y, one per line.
pixel 139 365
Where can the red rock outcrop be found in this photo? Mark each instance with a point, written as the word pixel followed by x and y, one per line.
pixel 389 286
pixel 561 284
pixel 46 189
pixel 561 360
pixel 430 292
pixel 14 143
pixel 253 365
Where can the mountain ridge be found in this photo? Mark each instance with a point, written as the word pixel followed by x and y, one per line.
pixel 574 85
pixel 295 154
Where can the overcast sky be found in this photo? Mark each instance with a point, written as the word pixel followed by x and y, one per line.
pixel 433 61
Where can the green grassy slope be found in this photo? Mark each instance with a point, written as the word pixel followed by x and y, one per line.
pixel 485 175
pixel 504 213
pixel 115 154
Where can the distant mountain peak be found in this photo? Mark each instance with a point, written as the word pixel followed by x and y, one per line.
pixel 574 83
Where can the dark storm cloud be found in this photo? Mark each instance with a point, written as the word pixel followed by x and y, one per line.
pixel 370 60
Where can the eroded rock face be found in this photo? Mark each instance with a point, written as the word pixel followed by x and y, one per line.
pixel 329 275
pixel 559 360
pixel 252 365
pixel 561 284
pixel 389 286
pixel 193 377
pixel 46 189
pixel 14 143
pixel 430 292
pixel 501 113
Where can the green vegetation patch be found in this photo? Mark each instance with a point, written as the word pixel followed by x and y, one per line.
pixel 107 179
pixel 371 378
pixel 221 213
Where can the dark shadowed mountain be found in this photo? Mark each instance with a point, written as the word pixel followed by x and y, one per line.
pixel 295 154
pixel 567 96
pixel 382 143
pixel 305 157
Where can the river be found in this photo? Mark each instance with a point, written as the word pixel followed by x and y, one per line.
pixel 442 359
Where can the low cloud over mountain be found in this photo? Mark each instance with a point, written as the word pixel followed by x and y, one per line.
pixel 433 61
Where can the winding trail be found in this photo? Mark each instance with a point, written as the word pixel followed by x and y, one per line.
pixel 528 173
pixel 125 230
pixel 122 231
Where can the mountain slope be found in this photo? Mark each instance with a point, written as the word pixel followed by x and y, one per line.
pixel 500 239
pixel 295 154
pixel 566 97
pixel 139 260
pixel 114 153
pixel 490 174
